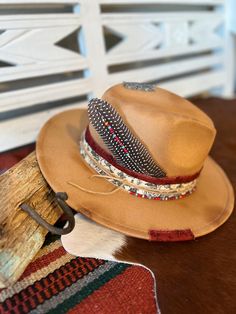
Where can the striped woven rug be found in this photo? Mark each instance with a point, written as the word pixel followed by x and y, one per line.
pixel 57 282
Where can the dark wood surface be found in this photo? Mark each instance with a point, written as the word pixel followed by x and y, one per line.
pixel 199 276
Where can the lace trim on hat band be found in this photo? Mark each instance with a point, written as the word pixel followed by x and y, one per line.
pixel 132 185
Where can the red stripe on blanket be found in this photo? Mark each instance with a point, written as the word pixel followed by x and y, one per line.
pixel 51 285
pixel 43 261
pixel 117 297
pixel 10 158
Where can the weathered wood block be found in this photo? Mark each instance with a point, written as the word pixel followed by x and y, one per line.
pixel 20 236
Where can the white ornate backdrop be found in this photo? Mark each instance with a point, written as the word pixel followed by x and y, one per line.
pixel 56 54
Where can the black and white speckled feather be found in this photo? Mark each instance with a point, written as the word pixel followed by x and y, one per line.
pixel 138 158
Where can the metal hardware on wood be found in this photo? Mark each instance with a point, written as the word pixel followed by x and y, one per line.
pixel 61 197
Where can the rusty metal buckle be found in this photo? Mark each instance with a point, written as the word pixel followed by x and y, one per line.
pixel 61 197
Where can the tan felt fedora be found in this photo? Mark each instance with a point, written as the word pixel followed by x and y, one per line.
pixel 175 192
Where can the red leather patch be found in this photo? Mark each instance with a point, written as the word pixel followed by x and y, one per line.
pixel 170 236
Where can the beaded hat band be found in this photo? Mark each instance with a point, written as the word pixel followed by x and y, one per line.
pixel 132 185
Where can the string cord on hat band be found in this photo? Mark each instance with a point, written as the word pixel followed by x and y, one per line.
pixel 98 192
pixel 114 177
pixel 103 153
pixel 94 192
pixel 162 192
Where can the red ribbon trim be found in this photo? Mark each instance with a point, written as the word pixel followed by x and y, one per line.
pixel 165 180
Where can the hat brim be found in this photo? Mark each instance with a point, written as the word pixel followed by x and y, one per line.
pixel 60 162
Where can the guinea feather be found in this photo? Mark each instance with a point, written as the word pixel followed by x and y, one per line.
pixel 125 147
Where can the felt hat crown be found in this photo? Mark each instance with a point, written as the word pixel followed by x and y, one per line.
pixel 178 135
pixel 86 154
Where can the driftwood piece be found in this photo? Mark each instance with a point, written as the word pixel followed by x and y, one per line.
pixel 20 236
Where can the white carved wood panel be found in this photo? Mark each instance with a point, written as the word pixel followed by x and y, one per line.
pixel 57 54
